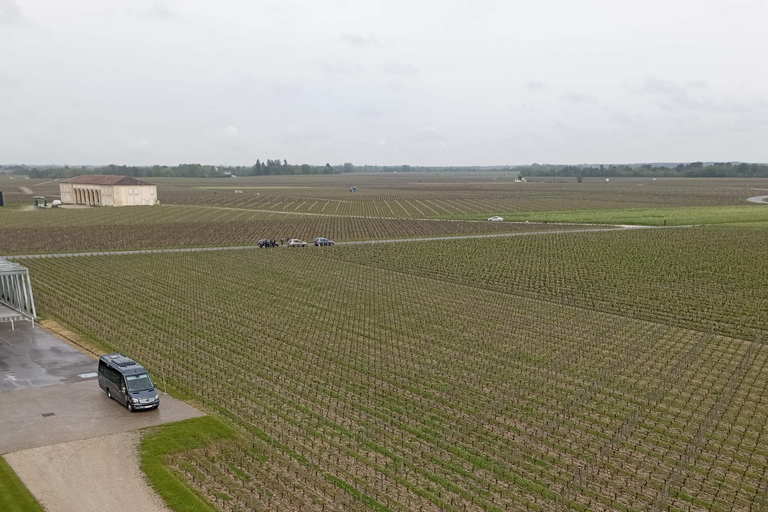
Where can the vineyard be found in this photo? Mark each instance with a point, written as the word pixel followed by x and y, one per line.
pixel 592 371
pixel 209 212
pixel 104 229
pixel 451 195
pixel 19 192
pixel 701 278
pixel 426 195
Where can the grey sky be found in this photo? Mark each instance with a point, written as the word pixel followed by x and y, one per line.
pixel 383 82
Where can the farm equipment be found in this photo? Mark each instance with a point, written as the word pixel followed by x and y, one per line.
pixel 40 202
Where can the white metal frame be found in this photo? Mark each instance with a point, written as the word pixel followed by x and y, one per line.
pixel 16 290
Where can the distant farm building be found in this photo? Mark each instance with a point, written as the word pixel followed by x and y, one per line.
pixel 107 190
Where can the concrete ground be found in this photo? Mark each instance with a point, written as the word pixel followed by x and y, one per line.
pixel 31 357
pixel 80 411
pixel 94 475
pixel 73 447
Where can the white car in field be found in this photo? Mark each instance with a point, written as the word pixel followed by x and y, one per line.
pixel 295 242
pixel 496 219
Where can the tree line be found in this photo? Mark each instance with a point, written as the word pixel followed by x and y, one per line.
pixel 691 170
pixel 268 168
pixel 278 167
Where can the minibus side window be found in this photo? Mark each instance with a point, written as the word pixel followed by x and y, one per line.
pixel 114 376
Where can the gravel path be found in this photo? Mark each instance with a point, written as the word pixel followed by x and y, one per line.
pixel 101 474
pixel 758 199
pixel 360 242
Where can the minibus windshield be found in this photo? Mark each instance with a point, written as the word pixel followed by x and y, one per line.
pixel 140 382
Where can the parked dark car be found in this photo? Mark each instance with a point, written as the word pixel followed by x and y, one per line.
pixel 323 241
pixel 266 242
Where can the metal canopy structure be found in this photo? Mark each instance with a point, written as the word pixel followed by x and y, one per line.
pixel 16 300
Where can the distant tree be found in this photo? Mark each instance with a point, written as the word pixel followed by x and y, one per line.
pixel 281 167
pixel 579 177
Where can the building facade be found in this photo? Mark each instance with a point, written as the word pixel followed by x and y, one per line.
pixel 107 190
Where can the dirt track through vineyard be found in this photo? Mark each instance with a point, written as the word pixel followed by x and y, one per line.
pixel 359 242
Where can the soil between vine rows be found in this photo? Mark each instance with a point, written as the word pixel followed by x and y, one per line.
pixel 583 370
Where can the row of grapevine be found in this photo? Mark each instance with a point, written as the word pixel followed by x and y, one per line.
pixel 704 279
pixel 52 239
pixel 362 386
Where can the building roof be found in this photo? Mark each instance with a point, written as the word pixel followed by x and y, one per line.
pixel 8 267
pixel 104 179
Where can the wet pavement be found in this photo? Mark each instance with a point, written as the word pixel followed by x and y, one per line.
pixel 74 412
pixel 30 357
pixel 49 394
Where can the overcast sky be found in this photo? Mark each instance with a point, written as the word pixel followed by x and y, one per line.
pixel 383 82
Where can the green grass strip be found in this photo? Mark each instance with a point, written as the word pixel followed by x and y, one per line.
pixel 159 442
pixel 14 495
pixel 674 216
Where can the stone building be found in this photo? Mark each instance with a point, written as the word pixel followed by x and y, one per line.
pixel 107 190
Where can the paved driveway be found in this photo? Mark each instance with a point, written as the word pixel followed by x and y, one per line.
pixel 31 357
pixel 40 374
pixel 80 411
